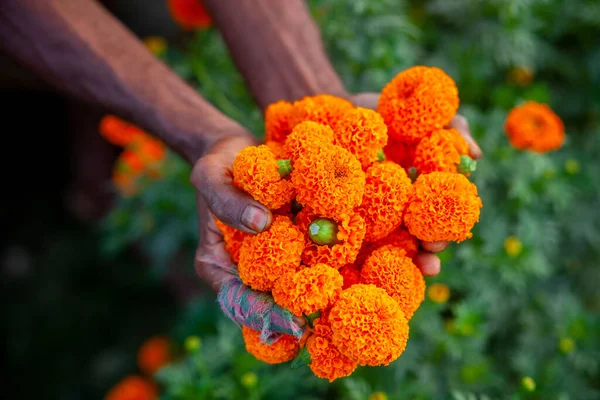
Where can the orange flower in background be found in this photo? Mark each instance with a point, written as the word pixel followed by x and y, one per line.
pixel 522 76
pixel 363 133
pixel 387 191
pixel 277 121
pixel 323 109
pixel 189 14
pixel 327 361
pixel 133 388
pixel 351 275
pixel 156 45
pixel 233 239
pixel 440 151
pixel 119 132
pixel 307 136
pixel 269 255
pixel 256 171
pixel 329 181
pixel 534 126
pixel 351 231
pixel 401 153
pixel 148 149
pixel 309 289
pixel 284 349
pixel 444 207
pixel 417 102
pixel 368 325
pixel 154 354
pixel 389 268
pixel 438 292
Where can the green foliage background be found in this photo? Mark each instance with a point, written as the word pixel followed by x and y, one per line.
pixel 507 314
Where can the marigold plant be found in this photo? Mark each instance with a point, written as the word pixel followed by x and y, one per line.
pixel 256 171
pixel 323 108
pixel 417 102
pixel 308 290
pixel 154 354
pixel 443 207
pixel 391 269
pixel 387 191
pixel 117 131
pixel 133 388
pixel 440 151
pixel 269 255
pixel 363 133
pixel 283 350
pixel 534 126
pixel 189 14
pixel 329 181
pixel 368 325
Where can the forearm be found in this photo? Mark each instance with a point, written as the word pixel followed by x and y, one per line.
pixel 277 48
pixel 79 47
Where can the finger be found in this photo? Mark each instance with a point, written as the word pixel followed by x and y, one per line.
pixel 434 247
pixel 210 246
pixel 366 100
pixel 428 263
pixel 462 126
pixel 212 178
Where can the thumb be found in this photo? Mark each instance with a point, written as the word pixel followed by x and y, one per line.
pixel 212 178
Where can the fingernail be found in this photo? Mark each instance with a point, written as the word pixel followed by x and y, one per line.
pixel 255 218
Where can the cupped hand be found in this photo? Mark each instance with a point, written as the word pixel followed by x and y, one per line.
pixel 428 263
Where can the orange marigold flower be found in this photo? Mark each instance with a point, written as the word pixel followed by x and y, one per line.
pixel 133 388
pixel 321 325
pixel 308 290
pixel 401 153
pixel 255 170
pixel 277 149
pixel 368 325
pixel 363 133
pixel 326 360
pixel 351 232
pixel 284 349
pixel 439 293
pixel 534 126
pixel 322 108
pixel 154 354
pixel 307 136
pixel 277 121
pixel 417 102
pixel 389 268
pixel 402 239
pixel 118 132
pixel 444 207
pixel 149 149
pixel 269 255
pixel 189 14
pixel 351 275
pixel 330 181
pixel 440 151
pixel 387 191
pixel 233 239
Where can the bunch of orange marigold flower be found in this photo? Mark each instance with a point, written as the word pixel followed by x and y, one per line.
pixel 353 191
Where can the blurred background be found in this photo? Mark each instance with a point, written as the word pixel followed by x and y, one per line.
pixel 93 268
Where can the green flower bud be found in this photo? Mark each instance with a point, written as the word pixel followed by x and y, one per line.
pixel 467 165
pixel 285 167
pixel 323 232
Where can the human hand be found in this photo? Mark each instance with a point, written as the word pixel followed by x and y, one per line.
pixel 428 263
